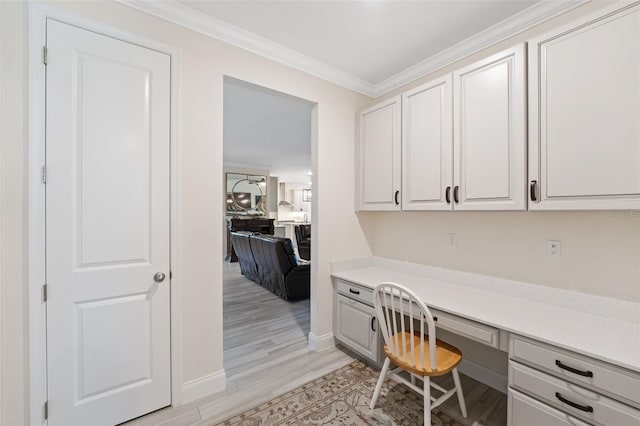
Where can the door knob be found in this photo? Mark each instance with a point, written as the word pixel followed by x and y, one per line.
pixel 159 277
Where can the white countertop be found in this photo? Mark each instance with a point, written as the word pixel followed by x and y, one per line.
pixel 600 327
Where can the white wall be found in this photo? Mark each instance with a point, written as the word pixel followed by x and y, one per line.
pixel 13 321
pixel 204 63
pixel 600 250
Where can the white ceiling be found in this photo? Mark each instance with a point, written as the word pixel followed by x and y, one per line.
pixel 371 40
pixel 267 130
pixel 372 46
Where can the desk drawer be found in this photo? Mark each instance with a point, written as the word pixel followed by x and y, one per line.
pixel 356 292
pixel 473 330
pixel 571 398
pixel 525 411
pixel 578 369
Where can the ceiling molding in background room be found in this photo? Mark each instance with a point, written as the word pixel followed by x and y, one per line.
pixel 187 17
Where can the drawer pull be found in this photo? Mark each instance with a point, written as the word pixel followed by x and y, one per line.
pixel 574 370
pixel 373 321
pixel 587 408
pixel 352 291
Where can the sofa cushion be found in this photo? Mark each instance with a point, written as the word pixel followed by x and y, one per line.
pixel 242 247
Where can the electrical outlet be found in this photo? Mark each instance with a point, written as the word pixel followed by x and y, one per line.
pixel 453 240
pixel 553 249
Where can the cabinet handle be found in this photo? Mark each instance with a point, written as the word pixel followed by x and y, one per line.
pixel 455 194
pixel 447 195
pixel 587 408
pixel 352 291
pixel 574 370
pixel 373 321
pixel 396 198
pixel 532 190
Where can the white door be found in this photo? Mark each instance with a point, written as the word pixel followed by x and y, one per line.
pixel 427 146
pixel 379 157
pixel 107 228
pixel 489 133
pixel 584 114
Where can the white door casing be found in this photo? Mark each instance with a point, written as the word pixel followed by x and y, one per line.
pixel 107 220
pixel 489 133
pixel 427 146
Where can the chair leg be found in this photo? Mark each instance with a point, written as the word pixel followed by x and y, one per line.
pixel 427 401
pixel 456 380
pixel 376 392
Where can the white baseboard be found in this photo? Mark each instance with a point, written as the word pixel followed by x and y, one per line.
pixel 203 386
pixel 321 343
pixel 484 375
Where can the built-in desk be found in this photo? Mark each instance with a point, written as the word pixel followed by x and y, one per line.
pixel 563 346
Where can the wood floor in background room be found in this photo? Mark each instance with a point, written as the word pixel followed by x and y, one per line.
pixel 266 354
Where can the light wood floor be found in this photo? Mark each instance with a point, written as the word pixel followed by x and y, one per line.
pixel 266 354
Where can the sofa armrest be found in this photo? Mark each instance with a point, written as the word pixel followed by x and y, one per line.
pixel 298 282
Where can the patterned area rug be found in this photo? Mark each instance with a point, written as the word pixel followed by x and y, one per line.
pixel 342 398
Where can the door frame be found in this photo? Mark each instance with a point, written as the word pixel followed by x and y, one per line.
pixel 38 13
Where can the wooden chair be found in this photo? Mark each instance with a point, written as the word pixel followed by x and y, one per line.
pixel 402 317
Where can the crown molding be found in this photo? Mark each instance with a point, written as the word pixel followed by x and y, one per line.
pixel 184 16
pixel 520 22
pixel 189 18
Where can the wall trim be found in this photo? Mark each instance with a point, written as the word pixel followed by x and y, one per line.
pixel 203 386
pixel 536 14
pixel 184 16
pixel 484 375
pixel 321 343
pixel 37 15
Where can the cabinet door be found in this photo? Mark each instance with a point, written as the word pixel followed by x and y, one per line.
pixel 427 147
pixel 489 133
pixel 584 114
pixel 379 157
pixel 356 327
pixel 525 411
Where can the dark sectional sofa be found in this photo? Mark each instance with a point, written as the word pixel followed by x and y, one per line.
pixel 303 240
pixel 271 262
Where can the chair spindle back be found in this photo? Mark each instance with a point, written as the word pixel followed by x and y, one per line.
pixel 393 302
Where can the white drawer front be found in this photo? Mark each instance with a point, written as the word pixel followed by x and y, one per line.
pixel 525 411
pixel 471 329
pixel 594 375
pixel 357 292
pixel 571 398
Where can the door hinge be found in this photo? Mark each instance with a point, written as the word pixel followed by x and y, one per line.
pixel 46 410
pixel 170 274
pixel 44 293
pixel 45 53
pixel 44 174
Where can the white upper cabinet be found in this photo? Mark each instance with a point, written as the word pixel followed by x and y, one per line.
pixel 379 159
pixel 427 148
pixel 584 114
pixel 489 133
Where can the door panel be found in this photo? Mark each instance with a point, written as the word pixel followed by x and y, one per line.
pixel 427 146
pixel 113 207
pixel 379 157
pixel 107 221
pixel 490 133
pixel 584 149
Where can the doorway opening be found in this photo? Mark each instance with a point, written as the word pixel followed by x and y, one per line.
pixel 267 186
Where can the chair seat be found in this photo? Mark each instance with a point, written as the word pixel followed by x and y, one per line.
pixel 447 356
